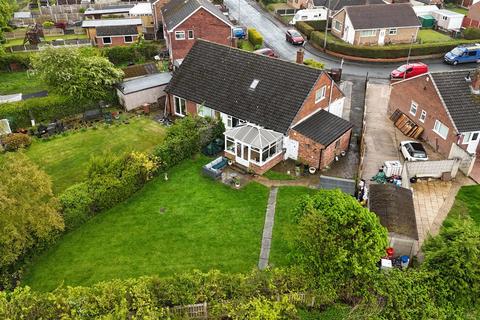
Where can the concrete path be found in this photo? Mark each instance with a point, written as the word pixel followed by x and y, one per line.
pixel 267 229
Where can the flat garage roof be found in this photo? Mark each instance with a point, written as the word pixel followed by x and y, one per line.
pixel 145 82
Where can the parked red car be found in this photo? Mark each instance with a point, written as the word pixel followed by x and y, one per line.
pixel 409 70
pixel 294 37
pixel 266 52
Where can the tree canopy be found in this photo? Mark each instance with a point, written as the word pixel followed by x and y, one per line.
pixel 6 13
pixel 77 74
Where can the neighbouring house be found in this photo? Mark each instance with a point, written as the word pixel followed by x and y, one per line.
pixel 116 11
pixel 333 5
pixel 272 109
pixel 136 92
pixel 144 12
pixel 472 19
pixel 157 6
pixel 184 21
pixel 377 24
pixel 445 104
pixel 112 32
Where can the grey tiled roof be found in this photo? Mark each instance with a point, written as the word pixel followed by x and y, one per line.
pixel 323 127
pixel 382 16
pixel 116 31
pixel 175 11
pixel 336 5
pixel 221 76
pixel 463 106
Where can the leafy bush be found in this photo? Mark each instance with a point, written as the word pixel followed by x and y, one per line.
pixel 41 109
pixel 76 204
pixel 317 25
pixel 471 33
pixel 304 28
pixel 255 37
pixel 314 64
pixel 22 59
pixel 14 141
pixel 132 53
pixel 48 24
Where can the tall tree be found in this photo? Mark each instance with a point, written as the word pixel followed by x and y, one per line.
pixel 78 75
pixel 6 13
pixel 28 209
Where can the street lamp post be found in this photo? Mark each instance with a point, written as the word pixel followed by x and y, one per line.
pixel 326 26
pixel 408 57
pixel 239 12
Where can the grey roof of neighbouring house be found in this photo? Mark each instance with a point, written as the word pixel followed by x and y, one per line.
pixel 145 82
pixel 462 105
pixel 382 16
pixel 110 22
pixel 394 206
pixel 116 31
pixel 220 77
pixel 176 11
pixel 336 5
pixel 323 127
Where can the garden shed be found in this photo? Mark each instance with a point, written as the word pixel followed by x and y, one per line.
pixel 448 20
pixel 146 89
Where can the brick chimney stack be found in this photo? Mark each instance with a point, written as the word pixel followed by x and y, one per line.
pixel 300 55
pixel 476 81
pixel 235 42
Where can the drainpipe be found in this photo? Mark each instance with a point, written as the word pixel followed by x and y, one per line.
pixel 330 96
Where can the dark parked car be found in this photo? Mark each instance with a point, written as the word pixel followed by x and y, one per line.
pixel 294 37
pixel 266 52
pixel 413 151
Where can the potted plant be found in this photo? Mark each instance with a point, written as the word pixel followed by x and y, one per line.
pixel 236 182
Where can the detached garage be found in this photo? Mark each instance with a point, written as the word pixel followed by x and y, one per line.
pixel 146 89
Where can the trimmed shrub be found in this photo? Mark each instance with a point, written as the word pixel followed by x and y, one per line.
pixel 41 109
pixel 471 33
pixel 314 64
pixel 255 37
pixel 132 53
pixel 304 28
pixel 14 141
pixel 76 205
pixel 317 25
pixel 48 24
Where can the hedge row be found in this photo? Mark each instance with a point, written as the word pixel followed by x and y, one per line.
pixel 388 51
pixel 305 28
pixel 22 59
pixel 41 109
pixel 132 53
pixel 255 38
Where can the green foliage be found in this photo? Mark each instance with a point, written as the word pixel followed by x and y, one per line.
pixel 41 109
pixel 76 204
pixel 14 141
pixel 262 309
pixel 80 77
pixel 387 51
pixel 22 59
pixel 29 209
pixel 471 33
pixel 314 64
pixel 304 28
pixel 48 24
pixel 137 53
pixel 338 240
pixel 255 38
pixel 317 25
pixel 6 13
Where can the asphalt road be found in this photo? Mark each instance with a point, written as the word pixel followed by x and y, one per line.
pixel 273 31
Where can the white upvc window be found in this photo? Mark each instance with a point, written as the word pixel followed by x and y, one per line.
pixel 190 34
pixel 107 40
pixel 368 33
pixel 337 25
pixel 413 108
pixel 204 111
pixel 180 106
pixel 179 35
pixel 392 31
pixel 230 145
pixel 320 94
pixel 440 129
pixel 423 116
pixel 270 151
pixel 470 136
pixel 233 122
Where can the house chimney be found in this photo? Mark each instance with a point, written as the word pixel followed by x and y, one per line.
pixel 300 55
pixel 476 81
pixel 235 42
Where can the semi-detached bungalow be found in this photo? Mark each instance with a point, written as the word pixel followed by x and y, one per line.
pixel 272 109
pixel 376 24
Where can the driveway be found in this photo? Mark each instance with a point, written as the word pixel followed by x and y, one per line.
pixel 273 31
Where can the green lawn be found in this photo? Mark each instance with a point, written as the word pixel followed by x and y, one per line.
pixel 430 36
pixel 20 82
pixel 19 41
pixel 466 203
pixel 286 19
pixel 284 227
pixel 65 158
pixel 453 7
pixel 275 175
pixel 188 222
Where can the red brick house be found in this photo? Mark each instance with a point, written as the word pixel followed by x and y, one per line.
pixel 445 104
pixel 272 109
pixel 113 32
pixel 472 19
pixel 467 3
pixel 187 20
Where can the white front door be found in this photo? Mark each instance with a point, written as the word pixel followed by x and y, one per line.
pixel 242 154
pixel 473 142
pixel 381 37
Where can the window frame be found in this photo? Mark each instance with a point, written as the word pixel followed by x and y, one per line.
pixel 323 91
pixel 373 33
pixel 192 35
pixel 413 104
pixel 103 40
pixel 394 33
pixel 335 25
pixel 175 106
pixel 423 116
pixel 204 108
pixel 440 125
pixel 470 135
pixel 125 39
pixel 177 33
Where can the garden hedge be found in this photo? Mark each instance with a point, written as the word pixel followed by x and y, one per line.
pixel 43 109
pixel 22 59
pixel 304 28
pixel 317 25
pixel 471 33
pixel 388 51
pixel 255 38
pixel 133 53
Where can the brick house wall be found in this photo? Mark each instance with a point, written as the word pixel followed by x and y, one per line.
pixel 424 94
pixel 472 19
pixel 116 41
pixel 204 25
pixel 340 17
pixel 329 153
pixel 298 4
pixel 404 35
pixel 157 15
pixel 256 168
pixel 309 105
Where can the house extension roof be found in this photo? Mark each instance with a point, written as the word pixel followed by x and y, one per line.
pixel 110 23
pixel 336 5
pixel 108 10
pixel 109 31
pixel 462 105
pixel 254 136
pixel 145 82
pixel 382 16
pixel 176 11
pixel 323 127
pixel 221 77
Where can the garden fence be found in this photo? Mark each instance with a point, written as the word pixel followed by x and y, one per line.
pixel 192 311
pixel 56 43
pixel 467 160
